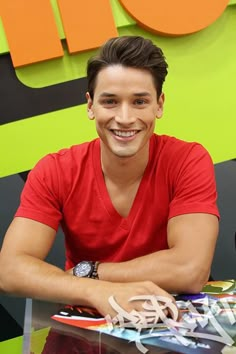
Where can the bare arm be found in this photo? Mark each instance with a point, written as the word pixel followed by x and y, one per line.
pixel 184 267
pixel 24 272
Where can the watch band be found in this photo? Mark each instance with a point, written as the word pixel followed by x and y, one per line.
pixel 94 274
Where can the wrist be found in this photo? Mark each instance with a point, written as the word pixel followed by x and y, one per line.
pixel 107 271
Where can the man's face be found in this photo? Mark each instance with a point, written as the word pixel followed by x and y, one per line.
pixel 125 108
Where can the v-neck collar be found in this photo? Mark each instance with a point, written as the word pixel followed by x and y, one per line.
pixel 124 222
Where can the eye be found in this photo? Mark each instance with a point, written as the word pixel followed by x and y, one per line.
pixel 139 102
pixel 109 102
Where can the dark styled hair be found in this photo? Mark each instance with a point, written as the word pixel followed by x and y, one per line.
pixel 129 51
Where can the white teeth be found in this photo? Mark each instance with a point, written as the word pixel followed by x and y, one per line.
pixel 124 134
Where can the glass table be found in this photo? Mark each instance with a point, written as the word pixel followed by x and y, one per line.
pixel 44 335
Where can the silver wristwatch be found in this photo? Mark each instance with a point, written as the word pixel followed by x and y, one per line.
pixel 86 269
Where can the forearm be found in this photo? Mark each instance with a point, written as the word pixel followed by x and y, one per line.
pixel 166 268
pixel 31 277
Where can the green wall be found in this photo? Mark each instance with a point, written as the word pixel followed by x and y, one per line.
pixel 200 99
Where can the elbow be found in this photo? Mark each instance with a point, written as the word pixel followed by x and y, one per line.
pixel 194 287
pixel 197 279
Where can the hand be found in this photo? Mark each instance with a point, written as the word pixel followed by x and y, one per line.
pixel 109 297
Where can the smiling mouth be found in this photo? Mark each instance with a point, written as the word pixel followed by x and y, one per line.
pixel 124 133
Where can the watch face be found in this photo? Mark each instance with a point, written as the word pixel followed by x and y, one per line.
pixel 82 269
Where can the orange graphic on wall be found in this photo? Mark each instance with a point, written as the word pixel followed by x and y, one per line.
pixel 32 33
pixel 175 18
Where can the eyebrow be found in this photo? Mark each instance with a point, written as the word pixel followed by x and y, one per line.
pixel 107 94
pixel 137 94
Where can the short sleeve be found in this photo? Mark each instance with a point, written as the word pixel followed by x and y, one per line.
pixel 194 186
pixel 40 198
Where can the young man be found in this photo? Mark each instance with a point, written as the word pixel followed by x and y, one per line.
pixel 140 207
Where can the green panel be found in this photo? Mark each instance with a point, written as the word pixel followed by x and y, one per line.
pixel 38 339
pixel 25 141
pixel 15 345
pixel 12 346
pixel 232 2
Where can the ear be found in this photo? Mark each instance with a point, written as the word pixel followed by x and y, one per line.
pixel 160 107
pixel 89 106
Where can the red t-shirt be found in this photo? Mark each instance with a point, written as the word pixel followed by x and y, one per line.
pixel 68 188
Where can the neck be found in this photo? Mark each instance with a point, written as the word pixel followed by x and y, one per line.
pixel 124 170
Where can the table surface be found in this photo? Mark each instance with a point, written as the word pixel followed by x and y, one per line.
pixel 43 335
pixel 46 336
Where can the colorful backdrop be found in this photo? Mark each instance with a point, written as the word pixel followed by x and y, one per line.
pixel 44 46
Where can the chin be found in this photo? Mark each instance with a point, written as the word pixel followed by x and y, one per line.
pixel 124 154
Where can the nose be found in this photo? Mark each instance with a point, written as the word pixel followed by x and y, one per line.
pixel 125 114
